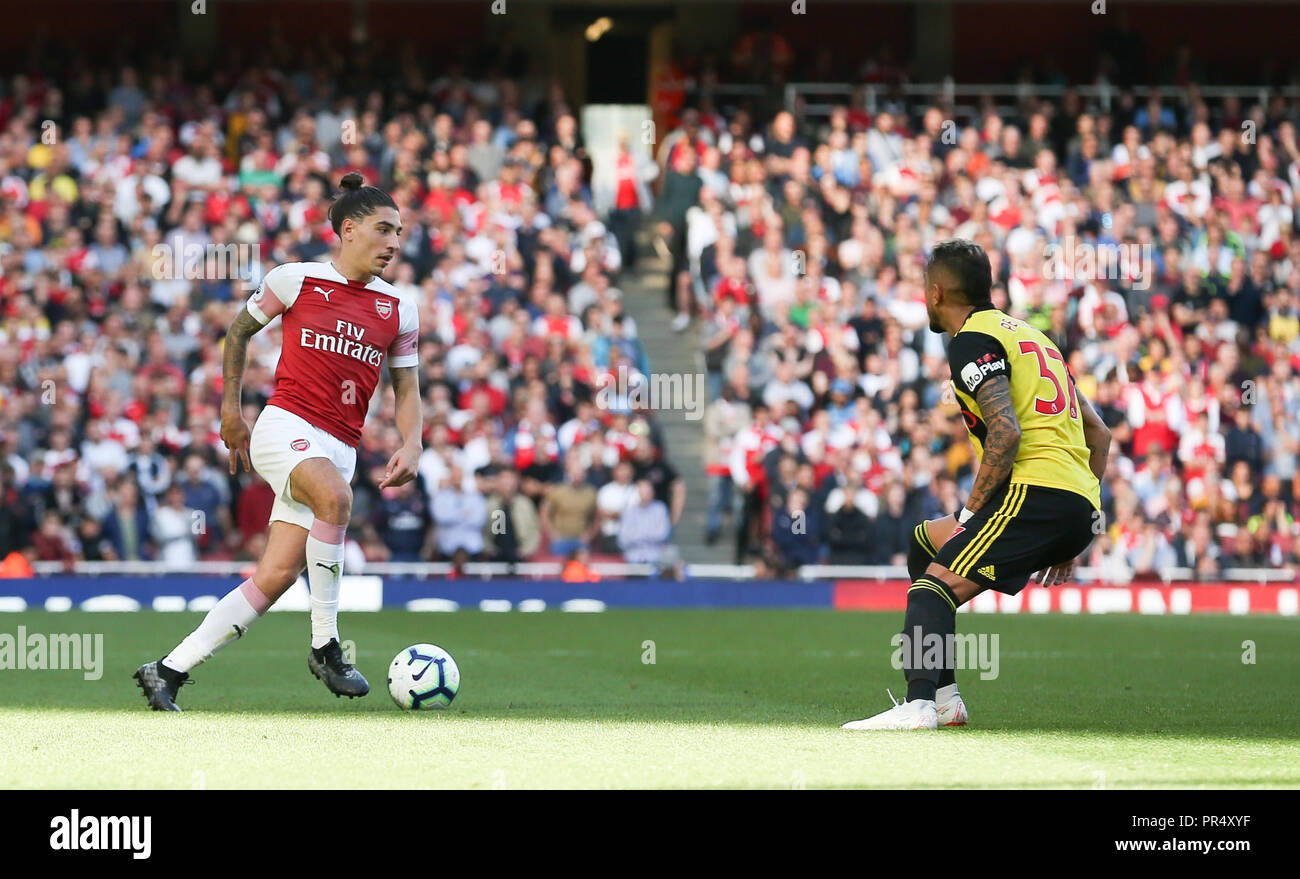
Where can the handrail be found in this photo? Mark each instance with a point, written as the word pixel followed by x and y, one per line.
pixel 809 573
pixel 396 569
pixel 950 90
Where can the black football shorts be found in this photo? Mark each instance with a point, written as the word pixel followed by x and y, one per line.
pixel 1020 531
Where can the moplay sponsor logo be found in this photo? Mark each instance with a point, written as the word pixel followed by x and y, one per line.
pixel 973 372
pixel 77 832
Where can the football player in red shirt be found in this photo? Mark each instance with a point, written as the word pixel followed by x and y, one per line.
pixel 339 322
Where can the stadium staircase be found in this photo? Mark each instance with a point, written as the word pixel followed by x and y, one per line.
pixel 669 352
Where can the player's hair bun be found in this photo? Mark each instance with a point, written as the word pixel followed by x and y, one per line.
pixel 356 200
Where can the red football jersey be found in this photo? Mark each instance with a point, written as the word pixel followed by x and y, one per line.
pixel 336 335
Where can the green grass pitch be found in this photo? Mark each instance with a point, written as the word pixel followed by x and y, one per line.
pixel 734 698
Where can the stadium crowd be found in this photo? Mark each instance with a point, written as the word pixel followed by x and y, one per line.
pixel 1155 243
pixel 796 245
pixel 134 225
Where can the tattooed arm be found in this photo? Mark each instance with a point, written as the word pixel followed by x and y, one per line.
pixel 1002 442
pixel 234 430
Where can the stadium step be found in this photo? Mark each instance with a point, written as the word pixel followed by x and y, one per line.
pixel 645 300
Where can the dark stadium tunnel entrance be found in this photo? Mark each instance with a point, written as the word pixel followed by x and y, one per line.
pixel 612 50
pixel 616 69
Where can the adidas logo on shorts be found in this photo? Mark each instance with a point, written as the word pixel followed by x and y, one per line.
pixel 986 571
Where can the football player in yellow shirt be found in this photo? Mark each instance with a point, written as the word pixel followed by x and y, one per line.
pixel 1037 492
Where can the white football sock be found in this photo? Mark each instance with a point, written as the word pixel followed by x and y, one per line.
pixel 944 694
pixel 324 570
pixel 226 622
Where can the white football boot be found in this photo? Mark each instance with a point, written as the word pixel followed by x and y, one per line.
pixel 920 714
pixel 951 708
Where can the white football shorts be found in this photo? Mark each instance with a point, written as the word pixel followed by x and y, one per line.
pixel 280 440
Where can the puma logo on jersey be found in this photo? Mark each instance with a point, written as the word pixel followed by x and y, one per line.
pixel 322 291
pixel 986 571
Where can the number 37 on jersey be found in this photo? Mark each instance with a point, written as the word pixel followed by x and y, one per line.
pixel 1053 451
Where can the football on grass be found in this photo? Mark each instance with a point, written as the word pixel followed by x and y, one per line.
pixel 423 676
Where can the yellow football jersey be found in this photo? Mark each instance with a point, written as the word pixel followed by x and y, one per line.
pixel 1053 452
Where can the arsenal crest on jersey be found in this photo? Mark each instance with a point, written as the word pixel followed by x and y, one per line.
pixel 384 307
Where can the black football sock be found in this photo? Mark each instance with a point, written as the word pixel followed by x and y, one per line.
pixel 947 678
pixel 928 629
pixel 919 552
pixel 169 674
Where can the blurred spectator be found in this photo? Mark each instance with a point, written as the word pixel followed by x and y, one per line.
pixel 513 531
pixel 127 528
pixel 90 544
pixel 175 529
pixel 748 450
pixel 402 519
pixel 893 528
pixel 1242 442
pixel 644 527
pixel 52 542
pixel 797 531
pixel 17 521
pixel 202 494
pixel 681 191
pixel 152 470
pixel 650 465
pixel 1245 552
pixel 630 197
pixel 725 417
pixel 1199 550
pixel 612 500
pixel 568 511
pixel 459 513
pixel 849 530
